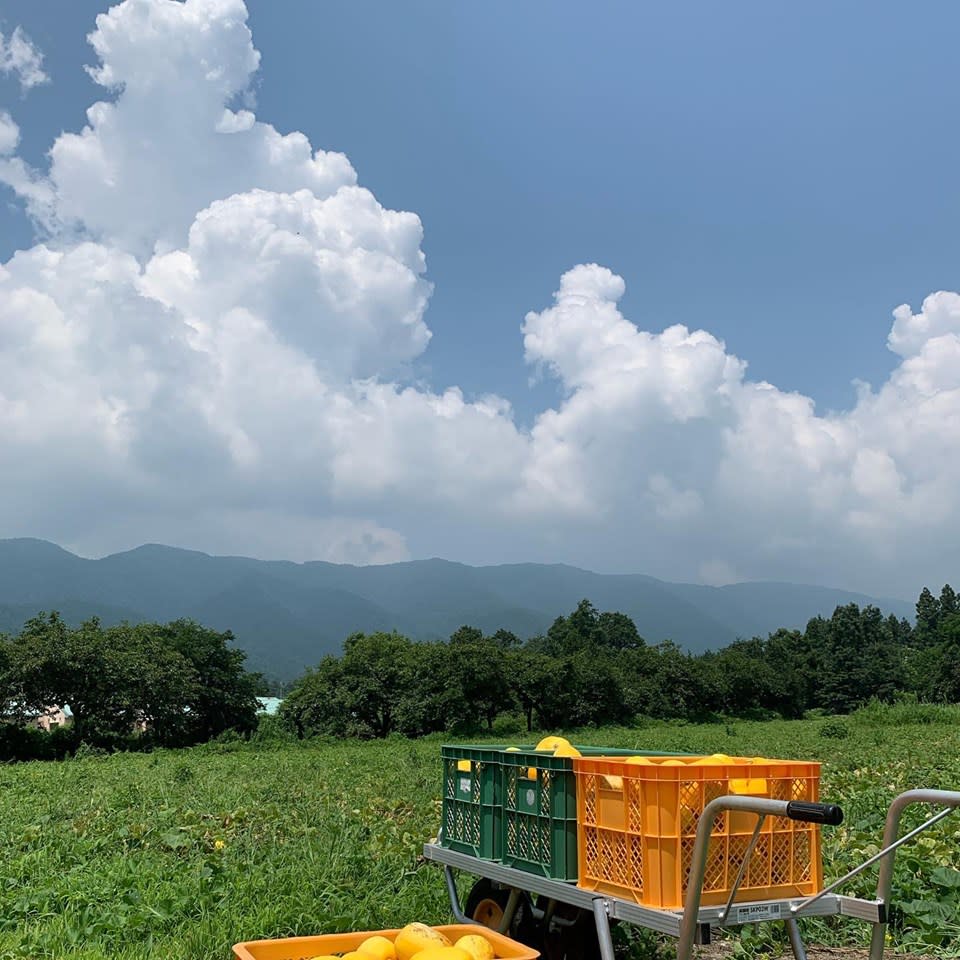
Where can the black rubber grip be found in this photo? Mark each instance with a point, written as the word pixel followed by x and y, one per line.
pixel 828 813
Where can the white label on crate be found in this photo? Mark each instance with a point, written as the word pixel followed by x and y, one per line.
pixel 756 912
pixel 466 785
pixel 531 798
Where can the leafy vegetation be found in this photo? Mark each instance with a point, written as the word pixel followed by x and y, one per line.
pixel 183 683
pixel 127 686
pixel 593 668
pixel 180 853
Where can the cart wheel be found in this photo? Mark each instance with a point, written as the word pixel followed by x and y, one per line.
pixel 487 904
pixel 576 939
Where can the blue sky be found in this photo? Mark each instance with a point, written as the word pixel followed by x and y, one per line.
pixel 784 177
pixel 780 178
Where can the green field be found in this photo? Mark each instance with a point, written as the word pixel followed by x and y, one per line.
pixel 178 854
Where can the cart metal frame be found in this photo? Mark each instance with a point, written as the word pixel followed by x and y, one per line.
pixel 695 924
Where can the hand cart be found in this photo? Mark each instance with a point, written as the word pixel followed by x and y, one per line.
pixel 695 924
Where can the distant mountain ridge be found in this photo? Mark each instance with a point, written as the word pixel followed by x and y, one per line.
pixel 288 615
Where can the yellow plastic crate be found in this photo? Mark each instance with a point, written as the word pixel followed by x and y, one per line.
pixel 637 822
pixel 303 948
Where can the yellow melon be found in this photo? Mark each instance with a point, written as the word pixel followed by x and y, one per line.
pixel 551 743
pixel 442 953
pixel 566 750
pixel 713 760
pixel 477 947
pixel 378 948
pixel 415 937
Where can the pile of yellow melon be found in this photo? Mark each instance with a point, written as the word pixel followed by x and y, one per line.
pixel 417 941
pixel 558 746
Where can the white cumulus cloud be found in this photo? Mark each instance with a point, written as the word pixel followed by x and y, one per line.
pixel 9 134
pixel 19 56
pixel 168 144
pixel 676 455
pixel 213 347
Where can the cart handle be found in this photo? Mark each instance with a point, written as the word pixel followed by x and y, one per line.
pixel 826 813
pixel 762 807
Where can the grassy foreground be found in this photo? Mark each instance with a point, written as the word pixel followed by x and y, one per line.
pixel 178 854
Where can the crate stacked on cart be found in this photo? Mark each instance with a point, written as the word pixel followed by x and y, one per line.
pixel 638 818
pixel 517 805
pixel 472 803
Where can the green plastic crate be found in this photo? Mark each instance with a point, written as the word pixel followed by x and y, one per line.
pixel 472 809
pixel 539 830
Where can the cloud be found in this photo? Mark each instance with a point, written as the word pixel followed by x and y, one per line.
pixel 662 438
pixel 9 134
pixel 338 279
pixel 20 57
pixel 169 144
pixel 213 347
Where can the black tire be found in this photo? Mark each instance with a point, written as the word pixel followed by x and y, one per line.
pixel 574 940
pixel 486 903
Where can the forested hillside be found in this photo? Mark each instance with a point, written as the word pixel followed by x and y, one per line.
pixel 286 616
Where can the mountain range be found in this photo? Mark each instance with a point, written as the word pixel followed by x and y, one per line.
pixel 288 615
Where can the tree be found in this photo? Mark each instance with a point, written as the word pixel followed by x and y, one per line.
pixel 838 661
pixel 944 662
pixel 637 672
pixel 428 702
pixel 224 694
pixel 584 623
pixel 861 659
pixel 749 679
pixel 532 676
pixel 569 634
pixel 619 632
pixel 363 693
pixel 316 704
pixel 593 689
pixel 466 634
pixel 506 640
pixel 154 685
pixel 788 653
pixel 949 604
pixel 881 672
pixel 682 685
pixel 478 675
pixel 928 619
pixel 112 679
pixel 377 670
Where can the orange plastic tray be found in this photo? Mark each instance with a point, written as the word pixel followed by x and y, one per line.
pixel 302 948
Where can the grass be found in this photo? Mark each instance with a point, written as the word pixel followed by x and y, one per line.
pixel 181 853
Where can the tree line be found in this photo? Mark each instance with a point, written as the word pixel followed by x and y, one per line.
pixel 133 686
pixel 593 668
pixel 175 684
